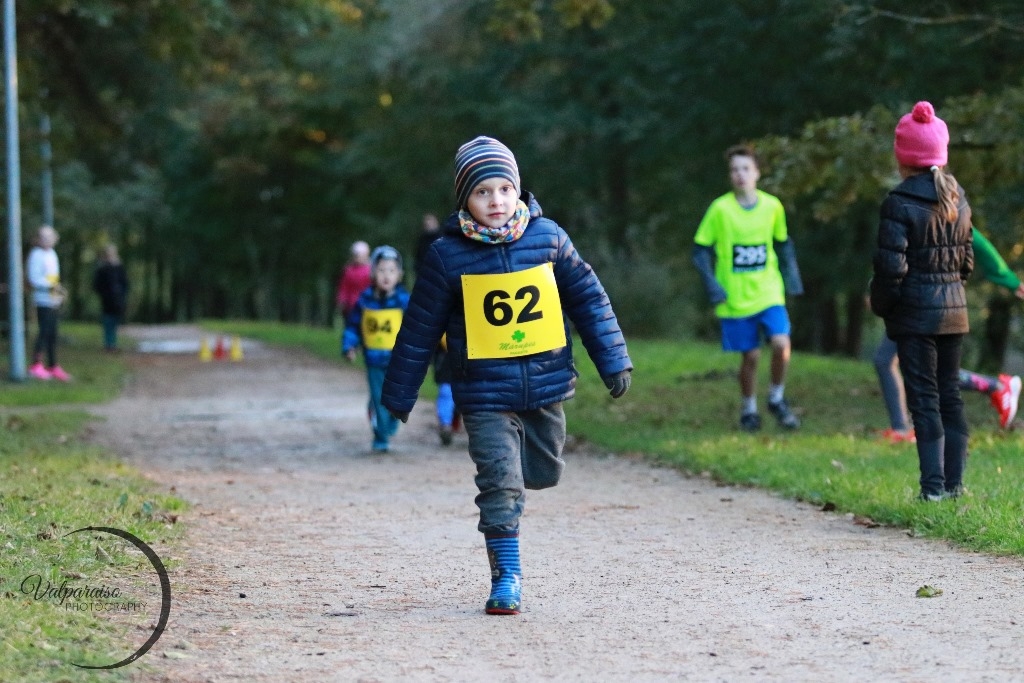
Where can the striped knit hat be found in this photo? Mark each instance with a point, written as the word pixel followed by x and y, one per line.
pixel 480 159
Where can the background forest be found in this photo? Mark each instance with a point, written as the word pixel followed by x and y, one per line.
pixel 235 148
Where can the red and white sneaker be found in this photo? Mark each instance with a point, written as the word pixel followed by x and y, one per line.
pixel 896 436
pixel 1005 399
pixel 39 372
pixel 57 372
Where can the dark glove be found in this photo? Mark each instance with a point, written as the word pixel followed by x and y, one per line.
pixel 399 415
pixel 618 384
pixel 704 259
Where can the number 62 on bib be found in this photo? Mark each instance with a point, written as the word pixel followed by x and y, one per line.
pixel 512 314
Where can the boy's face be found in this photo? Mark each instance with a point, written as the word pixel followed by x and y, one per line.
pixel 493 202
pixel 386 275
pixel 743 173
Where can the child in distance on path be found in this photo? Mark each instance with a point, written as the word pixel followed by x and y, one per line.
pixel 373 324
pixel 924 256
pixel 42 269
pixel 355 277
pixel 501 283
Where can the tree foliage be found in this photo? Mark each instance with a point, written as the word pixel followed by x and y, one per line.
pixel 235 148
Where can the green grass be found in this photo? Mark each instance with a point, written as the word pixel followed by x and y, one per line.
pixel 53 482
pixel 98 376
pixel 683 409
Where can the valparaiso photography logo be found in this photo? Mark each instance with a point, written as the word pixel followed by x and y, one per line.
pixel 131 596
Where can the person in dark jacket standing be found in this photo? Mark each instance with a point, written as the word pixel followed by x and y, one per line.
pixel 923 257
pixel 501 283
pixel 110 282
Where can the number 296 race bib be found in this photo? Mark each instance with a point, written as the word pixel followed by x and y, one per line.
pixel 512 314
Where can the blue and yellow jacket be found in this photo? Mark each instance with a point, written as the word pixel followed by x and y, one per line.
pixel 353 335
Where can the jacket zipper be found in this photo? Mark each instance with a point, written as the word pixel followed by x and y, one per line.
pixel 524 376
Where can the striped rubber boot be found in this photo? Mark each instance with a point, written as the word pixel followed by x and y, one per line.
pixel 506 574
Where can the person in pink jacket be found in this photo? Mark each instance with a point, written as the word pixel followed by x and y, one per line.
pixel 354 278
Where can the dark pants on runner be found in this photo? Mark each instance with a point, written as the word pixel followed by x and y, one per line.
pixel 47 339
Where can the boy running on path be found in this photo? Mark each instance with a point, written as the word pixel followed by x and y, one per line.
pixel 748 265
pixel 373 324
pixel 501 282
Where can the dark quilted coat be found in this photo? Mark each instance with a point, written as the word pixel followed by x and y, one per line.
pixel 921 262
pixel 515 384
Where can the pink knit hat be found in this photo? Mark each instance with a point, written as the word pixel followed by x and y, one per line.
pixel 921 138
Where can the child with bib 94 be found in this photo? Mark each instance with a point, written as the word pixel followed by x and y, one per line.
pixel 373 323
pixel 501 282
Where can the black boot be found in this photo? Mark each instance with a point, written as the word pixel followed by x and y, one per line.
pixel 955 456
pixel 929 455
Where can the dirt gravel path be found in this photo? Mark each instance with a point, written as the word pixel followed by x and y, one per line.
pixel 360 567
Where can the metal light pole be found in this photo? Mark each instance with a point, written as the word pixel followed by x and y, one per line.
pixel 14 270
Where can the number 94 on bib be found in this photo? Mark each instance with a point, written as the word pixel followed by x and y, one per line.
pixel 512 314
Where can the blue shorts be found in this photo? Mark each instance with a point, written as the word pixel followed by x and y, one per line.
pixel 741 334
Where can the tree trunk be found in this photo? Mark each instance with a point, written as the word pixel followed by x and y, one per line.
pixel 828 321
pixel 854 323
pixel 997 333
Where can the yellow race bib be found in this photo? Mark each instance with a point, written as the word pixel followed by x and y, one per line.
pixel 380 328
pixel 512 314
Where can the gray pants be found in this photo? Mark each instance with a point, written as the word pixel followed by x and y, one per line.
pixel 513 451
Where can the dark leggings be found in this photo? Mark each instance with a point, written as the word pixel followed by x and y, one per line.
pixel 931 375
pixel 47 339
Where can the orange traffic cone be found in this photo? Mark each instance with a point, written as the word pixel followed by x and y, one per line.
pixel 236 349
pixel 204 351
pixel 218 350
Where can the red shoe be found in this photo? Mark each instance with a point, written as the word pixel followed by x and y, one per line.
pixel 1005 399
pixel 895 436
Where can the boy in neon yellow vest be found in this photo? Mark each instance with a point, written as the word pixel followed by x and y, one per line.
pixel 747 263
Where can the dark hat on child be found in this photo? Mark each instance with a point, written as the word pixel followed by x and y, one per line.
pixel 922 138
pixel 479 159
pixel 385 253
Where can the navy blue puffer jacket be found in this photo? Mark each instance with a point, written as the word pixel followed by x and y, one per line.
pixel 921 262
pixel 508 384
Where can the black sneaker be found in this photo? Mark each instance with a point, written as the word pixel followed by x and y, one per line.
pixel 785 416
pixel 750 422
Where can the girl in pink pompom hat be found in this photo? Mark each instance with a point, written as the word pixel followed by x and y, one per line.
pixel 923 257
pixel 922 138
